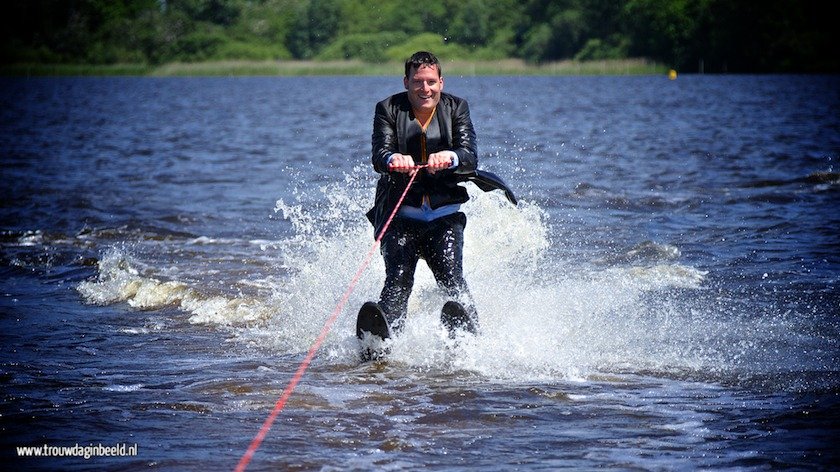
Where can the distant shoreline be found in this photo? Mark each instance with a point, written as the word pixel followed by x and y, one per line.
pixel 332 68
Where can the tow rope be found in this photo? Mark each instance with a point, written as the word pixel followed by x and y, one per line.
pixel 281 402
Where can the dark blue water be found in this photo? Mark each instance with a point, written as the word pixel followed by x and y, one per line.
pixel 664 297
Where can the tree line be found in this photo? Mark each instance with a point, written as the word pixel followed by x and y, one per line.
pixel 688 35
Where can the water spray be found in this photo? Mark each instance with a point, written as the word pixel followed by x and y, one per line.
pixel 287 392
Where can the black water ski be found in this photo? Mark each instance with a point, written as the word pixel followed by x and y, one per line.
pixel 455 317
pixel 372 329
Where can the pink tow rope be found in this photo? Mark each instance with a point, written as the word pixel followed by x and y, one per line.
pixel 281 402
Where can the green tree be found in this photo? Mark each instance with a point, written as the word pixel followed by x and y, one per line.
pixel 367 16
pixel 709 35
pixel 220 12
pixel 662 29
pixel 552 30
pixel 471 25
pixel 370 47
pixel 315 25
pixel 427 42
pixel 772 36
pixel 260 31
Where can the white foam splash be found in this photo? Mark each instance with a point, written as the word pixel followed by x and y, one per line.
pixel 540 318
pixel 120 281
pixel 123 388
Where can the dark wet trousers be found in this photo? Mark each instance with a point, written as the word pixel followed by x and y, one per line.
pixel 440 243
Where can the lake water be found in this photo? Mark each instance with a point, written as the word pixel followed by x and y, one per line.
pixel 664 297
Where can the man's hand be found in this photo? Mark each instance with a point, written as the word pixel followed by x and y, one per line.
pixel 401 163
pixel 438 161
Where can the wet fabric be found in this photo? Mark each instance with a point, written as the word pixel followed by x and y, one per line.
pixel 440 243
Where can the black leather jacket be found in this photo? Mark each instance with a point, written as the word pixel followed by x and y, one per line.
pixel 395 129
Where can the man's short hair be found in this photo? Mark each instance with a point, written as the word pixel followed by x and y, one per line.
pixel 421 58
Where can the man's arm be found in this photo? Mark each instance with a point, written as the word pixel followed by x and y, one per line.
pixel 464 139
pixel 384 139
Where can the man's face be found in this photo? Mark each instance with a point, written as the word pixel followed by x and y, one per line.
pixel 424 87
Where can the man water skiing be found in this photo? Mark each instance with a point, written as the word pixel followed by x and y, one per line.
pixel 423 126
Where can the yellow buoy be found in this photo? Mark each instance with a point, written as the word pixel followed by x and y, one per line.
pixel 672 74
